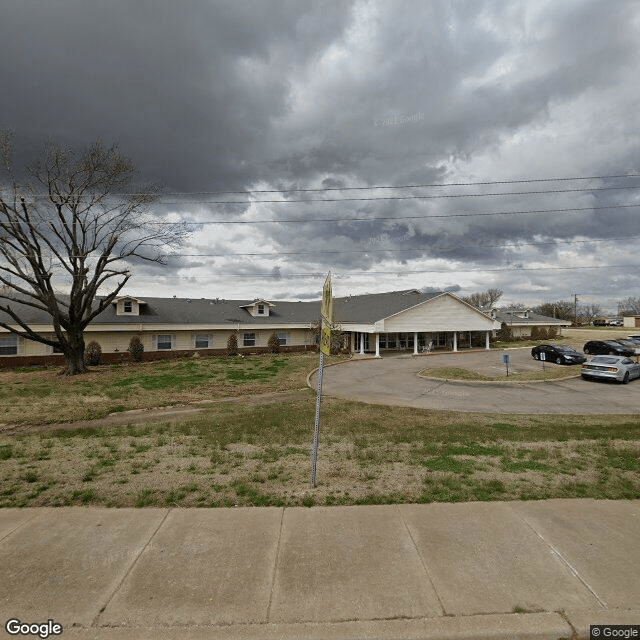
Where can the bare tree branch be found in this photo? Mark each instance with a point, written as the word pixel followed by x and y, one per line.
pixel 73 217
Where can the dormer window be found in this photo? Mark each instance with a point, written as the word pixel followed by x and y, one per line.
pixel 128 306
pixel 258 307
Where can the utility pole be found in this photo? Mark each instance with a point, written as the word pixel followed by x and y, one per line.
pixel 575 309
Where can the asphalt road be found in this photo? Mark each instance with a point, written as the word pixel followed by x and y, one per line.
pixel 395 381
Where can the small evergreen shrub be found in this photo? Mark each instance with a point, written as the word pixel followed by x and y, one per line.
pixel 232 345
pixel 136 349
pixel 504 334
pixel 273 343
pixel 538 333
pixel 92 354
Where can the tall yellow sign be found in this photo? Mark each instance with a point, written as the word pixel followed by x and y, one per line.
pixel 326 313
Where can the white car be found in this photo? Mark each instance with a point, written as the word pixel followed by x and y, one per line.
pixel 618 368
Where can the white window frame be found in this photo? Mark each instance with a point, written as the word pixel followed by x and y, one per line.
pixel 207 339
pixel 247 341
pixel 129 304
pixel 6 339
pixel 283 338
pixel 164 335
pixel 260 308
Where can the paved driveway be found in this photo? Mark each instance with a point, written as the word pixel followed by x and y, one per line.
pixel 395 381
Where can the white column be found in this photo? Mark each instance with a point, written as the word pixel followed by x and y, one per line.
pixel 487 340
pixel 415 343
pixel 377 345
pixel 455 340
pixel 361 343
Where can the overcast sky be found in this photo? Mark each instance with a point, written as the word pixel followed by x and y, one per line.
pixel 262 98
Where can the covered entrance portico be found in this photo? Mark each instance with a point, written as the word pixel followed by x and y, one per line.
pixel 418 342
pixel 442 322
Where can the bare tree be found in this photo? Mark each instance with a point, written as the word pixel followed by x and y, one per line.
pixel 561 309
pixel 629 306
pixel 587 313
pixel 77 214
pixel 484 298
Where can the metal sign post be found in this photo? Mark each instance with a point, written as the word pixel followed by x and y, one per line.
pixel 325 348
pixel 506 358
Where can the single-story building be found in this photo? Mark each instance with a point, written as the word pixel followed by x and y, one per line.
pixel 521 321
pixel 400 320
pixel 632 322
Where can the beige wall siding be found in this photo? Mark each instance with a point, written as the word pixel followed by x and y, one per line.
pixel 440 314
pixel 118 341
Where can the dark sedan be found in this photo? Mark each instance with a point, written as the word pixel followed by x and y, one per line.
pixel 558 353
pixel 607 347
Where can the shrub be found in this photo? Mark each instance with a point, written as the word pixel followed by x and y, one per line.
pixel 232 345
pixel 92 353
pixel 538 333
pixel 552 332
pixel 135 349
pixel 273 343
pixel 504 334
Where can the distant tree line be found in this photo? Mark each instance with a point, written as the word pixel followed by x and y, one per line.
pixel 559 309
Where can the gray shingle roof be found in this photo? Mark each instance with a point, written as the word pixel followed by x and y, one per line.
pixel 514 317
pixel 375 306
pixel 189 311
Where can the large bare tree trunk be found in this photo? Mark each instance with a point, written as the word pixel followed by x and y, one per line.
pixel 74 356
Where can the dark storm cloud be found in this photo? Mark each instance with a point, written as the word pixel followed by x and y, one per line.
pixel 188 91
pixel 246 96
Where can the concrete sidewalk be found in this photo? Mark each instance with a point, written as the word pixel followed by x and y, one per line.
pixel 544 569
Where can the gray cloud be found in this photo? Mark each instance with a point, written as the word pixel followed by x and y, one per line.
pixel 238 96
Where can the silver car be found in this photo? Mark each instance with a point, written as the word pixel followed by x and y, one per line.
pixel 618 368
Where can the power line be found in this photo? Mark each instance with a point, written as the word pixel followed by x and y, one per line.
pixel 413 186
pixel 323 274
pixel 412 197
pixel 424 248
pixel 420 217
pixel 404 186
pixel 390 250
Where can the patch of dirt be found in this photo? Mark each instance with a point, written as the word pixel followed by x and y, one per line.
pixel 160 414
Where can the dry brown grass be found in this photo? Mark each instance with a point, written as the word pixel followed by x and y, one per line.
pixel 260 455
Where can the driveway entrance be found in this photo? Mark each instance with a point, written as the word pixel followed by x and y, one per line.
pixel 395 381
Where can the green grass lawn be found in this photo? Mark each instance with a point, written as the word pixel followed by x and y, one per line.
pixel 458 373
pixel 259 454
pixel 41 396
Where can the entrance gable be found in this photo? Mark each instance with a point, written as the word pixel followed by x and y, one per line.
pixel 442 313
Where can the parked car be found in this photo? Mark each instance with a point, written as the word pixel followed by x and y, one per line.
pixel 558 353
pixel 607 347
pixel 617 368
pixel 634 345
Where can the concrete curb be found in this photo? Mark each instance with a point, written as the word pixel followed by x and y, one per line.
pixel 526 626
pixel 333 364
pixel 494 382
